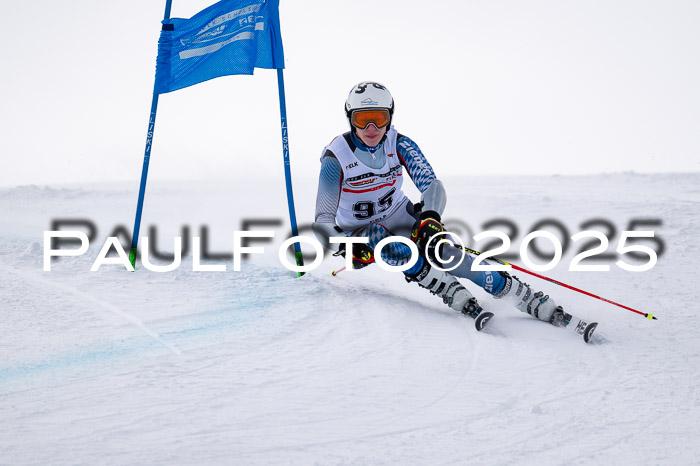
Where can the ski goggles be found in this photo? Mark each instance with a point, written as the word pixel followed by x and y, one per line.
pixel 360 119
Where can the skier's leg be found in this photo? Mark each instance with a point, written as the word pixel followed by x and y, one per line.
pixel 441 277
pixel 438 282
pixel 394 254
pixel 504 286
pixel 445 285
pixel 490 281
pixel 398 223
pixel 537 304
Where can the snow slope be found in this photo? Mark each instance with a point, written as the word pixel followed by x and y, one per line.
pixel 260 367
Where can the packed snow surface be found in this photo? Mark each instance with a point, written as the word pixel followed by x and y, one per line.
pixel 260 367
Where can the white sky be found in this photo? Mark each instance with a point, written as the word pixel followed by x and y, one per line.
pixel 492 87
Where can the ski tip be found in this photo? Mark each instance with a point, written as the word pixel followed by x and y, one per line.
pixel 588 332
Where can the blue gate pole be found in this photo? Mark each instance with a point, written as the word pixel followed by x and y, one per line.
pixel 146 160
pixel 287 169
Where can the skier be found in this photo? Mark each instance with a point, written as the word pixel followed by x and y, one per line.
pixel 359 194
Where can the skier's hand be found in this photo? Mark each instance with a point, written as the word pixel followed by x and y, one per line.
pixel 362 255
pixel 424 229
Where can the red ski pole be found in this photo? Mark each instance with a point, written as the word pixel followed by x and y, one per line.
pixel 477 253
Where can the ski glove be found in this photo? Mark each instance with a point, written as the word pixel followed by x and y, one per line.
pixel 362 255
pixel 427 225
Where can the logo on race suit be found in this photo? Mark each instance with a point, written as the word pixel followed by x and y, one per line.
pixel 371 181
pixel 489 282
pixel 389 155
pixel 352 165
pixel 369 101
pixel 362 183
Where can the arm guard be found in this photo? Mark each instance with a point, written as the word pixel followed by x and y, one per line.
pixel 434 197
pixel 323 231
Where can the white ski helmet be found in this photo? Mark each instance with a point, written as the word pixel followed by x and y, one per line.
pixel 369 95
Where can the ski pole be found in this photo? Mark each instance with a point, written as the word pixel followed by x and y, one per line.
pixel 477 253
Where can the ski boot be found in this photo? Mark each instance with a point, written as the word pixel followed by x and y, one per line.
pixel 537 304
pixel 446 286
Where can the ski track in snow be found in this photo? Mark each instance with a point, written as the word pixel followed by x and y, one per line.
pixel 81 295
pixel 259 367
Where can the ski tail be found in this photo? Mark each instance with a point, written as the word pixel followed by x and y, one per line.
pixel 574 324
pixel 482 319
pixel 476 312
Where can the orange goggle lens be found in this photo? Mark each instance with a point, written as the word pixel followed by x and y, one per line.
pixel 361 118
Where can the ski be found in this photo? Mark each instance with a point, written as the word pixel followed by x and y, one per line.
pixel 576 325
pixel 476 312
pixel 482 319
